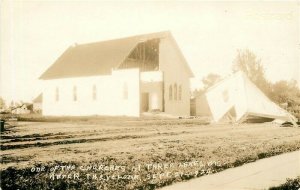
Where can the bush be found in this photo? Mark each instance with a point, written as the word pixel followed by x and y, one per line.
pixel 290 184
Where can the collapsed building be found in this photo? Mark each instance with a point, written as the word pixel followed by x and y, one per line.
pixel 237 99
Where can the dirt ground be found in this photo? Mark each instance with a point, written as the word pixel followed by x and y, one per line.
pixel 133 142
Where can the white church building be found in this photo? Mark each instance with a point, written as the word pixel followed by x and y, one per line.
pixel 122 77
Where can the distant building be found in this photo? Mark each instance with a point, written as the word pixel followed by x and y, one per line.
pixel 125 76
pixel 22 109
pixel 37 104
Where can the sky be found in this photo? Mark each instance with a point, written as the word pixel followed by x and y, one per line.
pixel 35 33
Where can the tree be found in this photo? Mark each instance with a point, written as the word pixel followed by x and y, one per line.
pixel 2 103
pixel 210 80
pixel 286 92
pixel 197 92
pixel 247 62
pixel 207 82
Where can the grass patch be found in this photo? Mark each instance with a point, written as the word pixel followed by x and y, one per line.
pixel 193 149
pixel 290 184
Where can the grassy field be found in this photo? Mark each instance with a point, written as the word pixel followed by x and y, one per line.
pixel 128 153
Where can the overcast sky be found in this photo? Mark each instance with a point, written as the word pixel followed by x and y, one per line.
pixel 35 33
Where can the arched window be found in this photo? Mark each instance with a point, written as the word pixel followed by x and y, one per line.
pixel 57 94
pixel 170 92
pixel 179 92
pixel 125 91
pixel 74 93
pixel 175 91
pixel 94 92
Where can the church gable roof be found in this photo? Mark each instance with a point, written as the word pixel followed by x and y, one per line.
pixel 97 58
